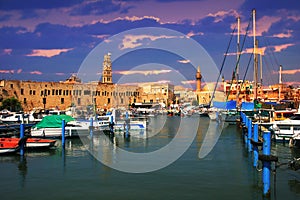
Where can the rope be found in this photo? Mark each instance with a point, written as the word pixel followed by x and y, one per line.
pixel 222 66
pixel 239 57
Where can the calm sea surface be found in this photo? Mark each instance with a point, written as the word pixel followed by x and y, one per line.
pixel 74 173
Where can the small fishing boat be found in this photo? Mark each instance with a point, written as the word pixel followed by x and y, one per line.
pixel 29 142
pixel 10 145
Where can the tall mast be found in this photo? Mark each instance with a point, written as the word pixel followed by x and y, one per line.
pixel 261 72
pixel 280 82
pixel 237 59
pixel 255 74
pixel 238 48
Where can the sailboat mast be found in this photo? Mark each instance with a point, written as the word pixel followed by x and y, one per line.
pixel 261 71
pixel 255 74
pixel 280 82
pixel 238 48
pixel 237 58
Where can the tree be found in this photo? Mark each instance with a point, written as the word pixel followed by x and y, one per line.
pixel 11 104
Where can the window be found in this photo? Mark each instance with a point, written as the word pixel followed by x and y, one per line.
pixel 33 92
pixel 62 101
pixel 11 85
pixel 22 91
pixel 87 92
pixel 108 100
pixel 25 101
pixel 78 101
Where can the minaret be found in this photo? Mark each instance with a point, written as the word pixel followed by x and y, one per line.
pixel 198 80
pixel 106 73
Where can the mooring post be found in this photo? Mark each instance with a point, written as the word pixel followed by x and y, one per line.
pixel 63 128
pixel 243 118
pixel 21 138
pixel 111 124
pixel 266 164
pixel 91 127
pixel 127 124
pixel 249 136
pixel 255 147
pixel 246 132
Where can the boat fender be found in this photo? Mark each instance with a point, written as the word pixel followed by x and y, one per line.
pixel 268 158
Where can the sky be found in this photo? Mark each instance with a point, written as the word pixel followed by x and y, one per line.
pixel 154 40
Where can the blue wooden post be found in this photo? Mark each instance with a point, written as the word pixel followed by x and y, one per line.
pixel 21 137
pixel 249 137
pixel 111 124
pixel 245 134
pixel 127 124
pixel 255 147
pixel 266 164
pixel 91 127
pixel 243 118
pixel 63 133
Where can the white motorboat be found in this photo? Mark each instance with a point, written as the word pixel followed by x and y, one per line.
pixel 51 126
pixel 285 129
pixel 295 140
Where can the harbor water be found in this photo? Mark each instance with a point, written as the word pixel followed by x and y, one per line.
pixel 226 172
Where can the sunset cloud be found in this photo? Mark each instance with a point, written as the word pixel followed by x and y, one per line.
pixel 287 34
pixel 279 48
pixel 127 18
pixel 47 52
pixel 188 82
pixel 6 51
pixel 60 74
pixel 221 15
pixel 260 50
pixel 184 61
pixel 191 34
pixel 143 72
pixel 3 71
pixel 132 41
pixel 262 25
pixel 36 72
pixel 289 72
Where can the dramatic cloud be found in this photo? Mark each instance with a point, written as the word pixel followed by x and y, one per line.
pixel 287 34
pixel 262 25
pixel 126 18
pixel 132 41
pixel 192 34
pixel 279 48
pixel 47 52
pixel 221 15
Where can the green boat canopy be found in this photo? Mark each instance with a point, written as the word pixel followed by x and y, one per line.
pixel 53 121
